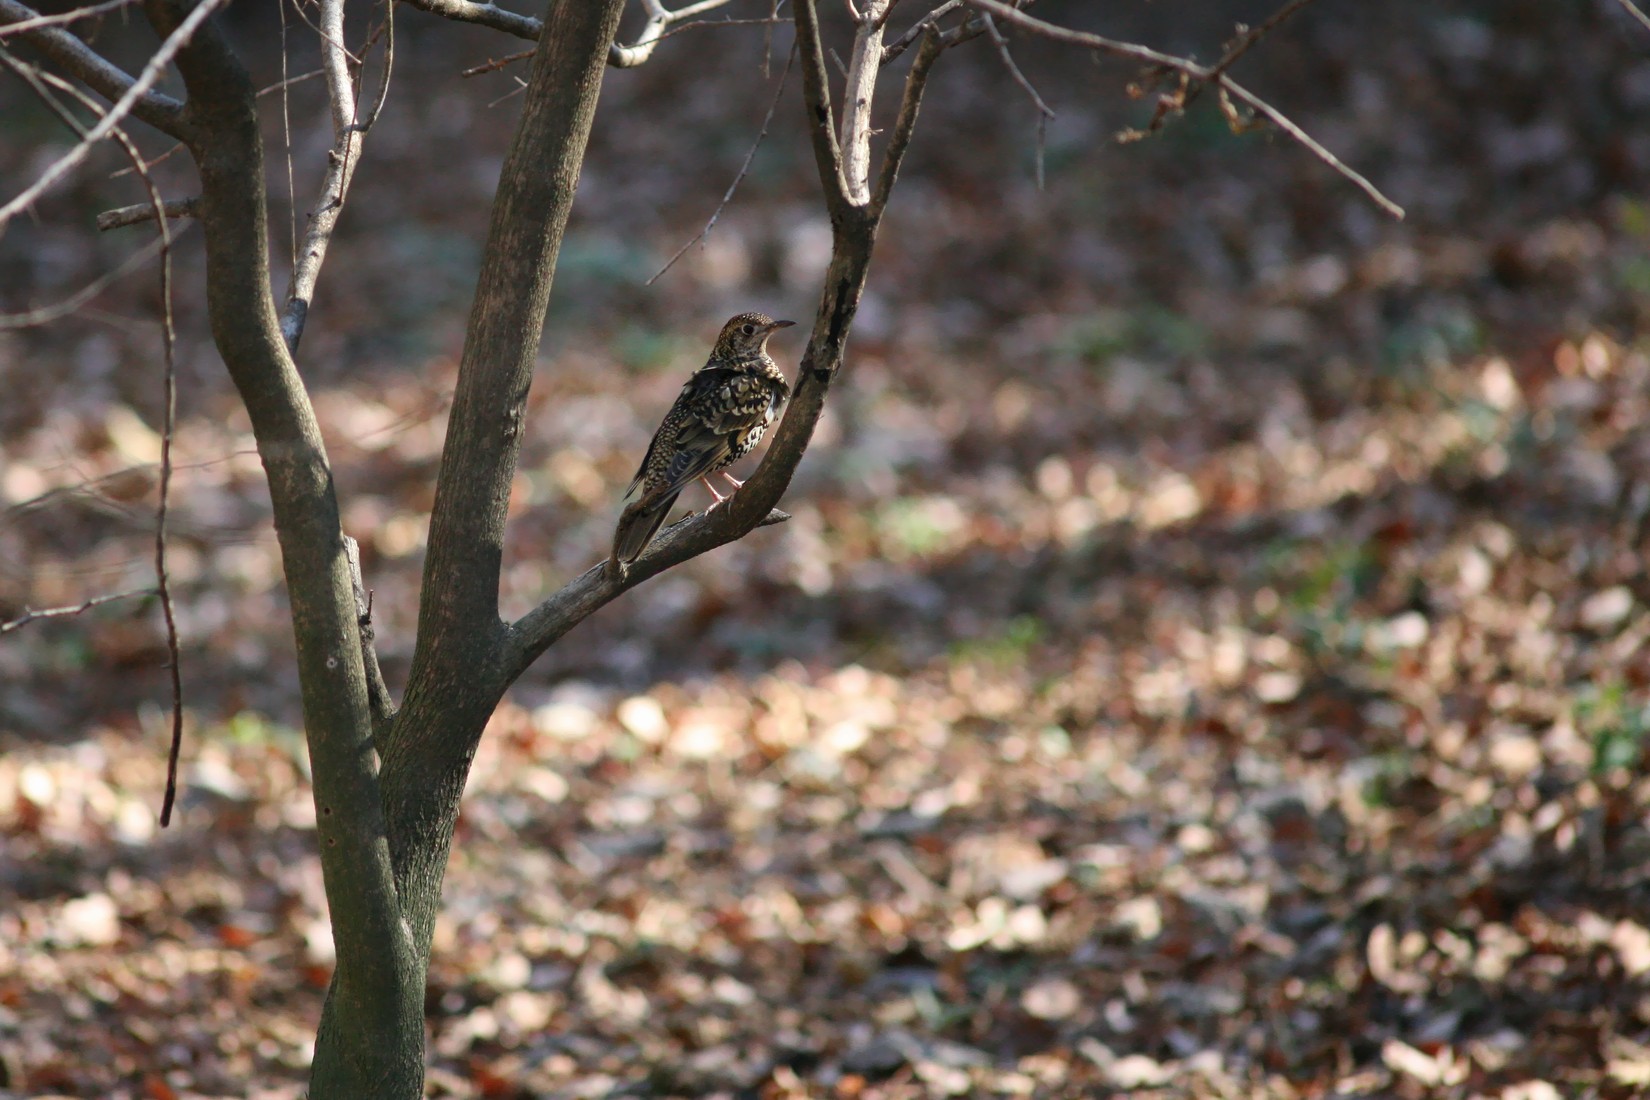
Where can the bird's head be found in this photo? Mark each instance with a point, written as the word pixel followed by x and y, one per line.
pixel 745 336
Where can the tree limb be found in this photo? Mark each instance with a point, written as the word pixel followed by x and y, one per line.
pixel 659 20
pixel 84 63
pixel 916 82
pixel 598 586
pixel 30 616
pixel 123 216
pixel 378 692
pixel 379 979
pixel 857 93
pixel 456 679
pixel 915 30
pixel 1194 71
pixel 853 235
pixel 349 133
pixel 816 94
pixel 152 70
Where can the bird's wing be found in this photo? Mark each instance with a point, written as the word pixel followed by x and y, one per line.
pixel 695 393
pixel 717 404
pixel 700 448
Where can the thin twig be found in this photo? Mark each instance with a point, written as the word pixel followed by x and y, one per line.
pixel 169 419
pixel 30 616
pixel 148 164
pixel 123 216
pixel 1637 13
pixel 22 26
pixel 286 144
pixel 914 31
pixel 1043 111
pixel 1241 45
pixel 497 64
pixel 739 177
pixel 767 39
pixel 62 48
pixel 152 72
pixel 1194 71
pixel 46 314
pixel 162 579
pixel 521 86
pixel 349 130
pixel 1282 122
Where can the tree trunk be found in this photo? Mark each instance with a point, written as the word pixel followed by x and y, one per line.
pixel 457 677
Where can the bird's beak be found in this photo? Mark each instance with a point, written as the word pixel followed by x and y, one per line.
pixel 780 324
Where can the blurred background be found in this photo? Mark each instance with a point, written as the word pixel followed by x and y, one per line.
pixel 1207 659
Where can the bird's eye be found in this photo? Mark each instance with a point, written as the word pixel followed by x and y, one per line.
pixel 748 329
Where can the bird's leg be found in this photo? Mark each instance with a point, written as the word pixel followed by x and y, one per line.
pixel 712 490
pixel 735 482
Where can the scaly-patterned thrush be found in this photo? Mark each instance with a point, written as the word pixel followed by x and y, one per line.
pixel 719 417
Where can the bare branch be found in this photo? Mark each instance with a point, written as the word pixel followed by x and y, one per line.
pixel 857 95
pixel 10 30
pixel 82 62
pixel 816 92
pixel 349 132
pixel 144 212
pixel 1637 13
pixel 914 31
pixel 30 616
pixel 482 14
pixel 659 20
pixel 1043 111
pixel 853 234
pixel 38 82
pixel 1193 71
pixel 916 82
pixel 497 63
pixel 727 197
pixel 123 106
pixel 1246 40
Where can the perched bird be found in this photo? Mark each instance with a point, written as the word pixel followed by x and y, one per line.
pixel 720 415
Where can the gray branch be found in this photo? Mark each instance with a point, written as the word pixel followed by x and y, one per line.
pixel 659 20
pixel 84 63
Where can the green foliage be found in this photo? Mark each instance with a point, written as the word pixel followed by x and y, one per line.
pixel 1007 649
pixel 1616 723
pixel 1319 587
pixel 1446 336
pixel 1150 330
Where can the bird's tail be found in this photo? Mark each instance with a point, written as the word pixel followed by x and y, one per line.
pixel 638 524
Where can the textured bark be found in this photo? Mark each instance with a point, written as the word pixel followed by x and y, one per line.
pixel 388 782
pixel 378 984
pixel 458 673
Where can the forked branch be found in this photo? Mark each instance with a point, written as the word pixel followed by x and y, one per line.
pixel 126 104
pixel 659 21
pixel 853 235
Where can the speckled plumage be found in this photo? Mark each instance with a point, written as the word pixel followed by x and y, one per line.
pixel 719 417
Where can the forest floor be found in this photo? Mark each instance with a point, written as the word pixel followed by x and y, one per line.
pixel 1210 656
